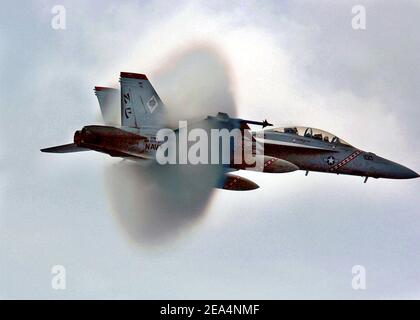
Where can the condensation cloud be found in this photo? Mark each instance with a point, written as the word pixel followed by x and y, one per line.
pixel 154 203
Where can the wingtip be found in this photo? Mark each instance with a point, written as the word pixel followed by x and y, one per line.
pixel 46 150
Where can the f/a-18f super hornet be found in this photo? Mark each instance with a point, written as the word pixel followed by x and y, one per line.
pixel 285 149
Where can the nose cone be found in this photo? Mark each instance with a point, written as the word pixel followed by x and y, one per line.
pixel 402 172
pixel 392 170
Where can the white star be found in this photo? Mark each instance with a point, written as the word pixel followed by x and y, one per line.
pixel 330 160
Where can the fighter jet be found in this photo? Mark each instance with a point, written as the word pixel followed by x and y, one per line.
pixel 142 115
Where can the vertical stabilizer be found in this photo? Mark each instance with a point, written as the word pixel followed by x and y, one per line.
pixel 109 102
pixel 140 103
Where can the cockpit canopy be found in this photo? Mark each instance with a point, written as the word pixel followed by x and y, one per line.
pixel 312 133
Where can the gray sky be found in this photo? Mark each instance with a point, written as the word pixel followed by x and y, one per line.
pixel 294 62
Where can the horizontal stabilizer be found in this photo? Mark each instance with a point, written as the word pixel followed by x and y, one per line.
pixel 66 148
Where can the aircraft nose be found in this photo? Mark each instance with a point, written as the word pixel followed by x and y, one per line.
pixel 393 170
pixel 406 173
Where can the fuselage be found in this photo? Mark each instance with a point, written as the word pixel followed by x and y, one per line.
pixel 313 150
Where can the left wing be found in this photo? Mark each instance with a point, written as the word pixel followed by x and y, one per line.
pixel 65 148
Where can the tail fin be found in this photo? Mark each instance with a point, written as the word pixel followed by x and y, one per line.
pixel 109 100
pixel 140 104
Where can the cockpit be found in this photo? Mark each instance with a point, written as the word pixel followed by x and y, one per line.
pixel 313 133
